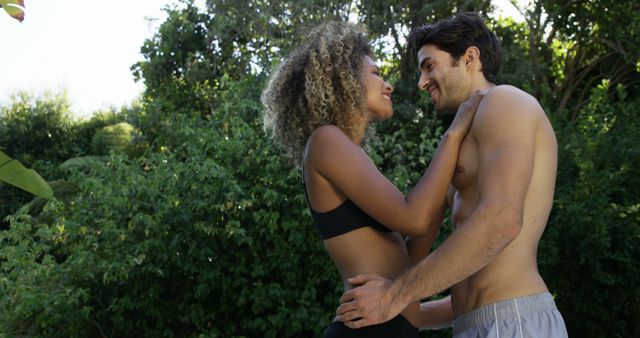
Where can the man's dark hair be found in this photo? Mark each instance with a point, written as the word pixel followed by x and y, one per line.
pixel 457 33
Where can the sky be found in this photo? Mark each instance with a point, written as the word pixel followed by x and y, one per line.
pixel 84 47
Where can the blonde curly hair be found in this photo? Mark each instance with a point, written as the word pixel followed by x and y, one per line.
pixel 319 83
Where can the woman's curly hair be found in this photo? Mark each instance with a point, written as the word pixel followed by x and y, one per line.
pixel 319 83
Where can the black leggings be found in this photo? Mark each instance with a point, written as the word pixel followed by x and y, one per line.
pixel 398 327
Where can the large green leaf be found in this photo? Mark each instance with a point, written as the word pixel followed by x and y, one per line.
pixel 15 8
pixel 14 173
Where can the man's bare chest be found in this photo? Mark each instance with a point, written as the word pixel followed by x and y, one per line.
pixel 466 171
pixel 464 181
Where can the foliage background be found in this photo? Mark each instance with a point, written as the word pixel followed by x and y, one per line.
pixel 176 216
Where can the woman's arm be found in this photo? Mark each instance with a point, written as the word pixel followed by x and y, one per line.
pixel 337 159
pixel 420 246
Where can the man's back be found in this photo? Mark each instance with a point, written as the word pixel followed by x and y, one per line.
pixel 510 155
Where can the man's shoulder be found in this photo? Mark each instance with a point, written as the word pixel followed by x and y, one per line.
pixel 507 107
pixel 508 102
pixel 511 95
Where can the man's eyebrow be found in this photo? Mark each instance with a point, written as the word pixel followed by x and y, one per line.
pixel 424 61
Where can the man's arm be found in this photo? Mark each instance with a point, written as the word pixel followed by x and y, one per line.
pixel 505 131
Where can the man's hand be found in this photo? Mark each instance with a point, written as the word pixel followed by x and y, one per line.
pixel 368 304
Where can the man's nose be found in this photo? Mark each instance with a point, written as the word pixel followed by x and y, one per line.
pixel 423 82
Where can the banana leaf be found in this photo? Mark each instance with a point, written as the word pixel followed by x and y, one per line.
pixel 14 173
pixel 15 8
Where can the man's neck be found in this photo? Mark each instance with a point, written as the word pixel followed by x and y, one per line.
pixel 480 83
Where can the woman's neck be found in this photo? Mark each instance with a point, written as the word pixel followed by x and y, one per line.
pixel 359 132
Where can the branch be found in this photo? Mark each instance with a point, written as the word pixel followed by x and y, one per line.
pixel 533 42
pixel 615 46
pixel 394 33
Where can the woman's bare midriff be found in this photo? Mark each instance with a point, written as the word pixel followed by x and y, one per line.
pixel 369 251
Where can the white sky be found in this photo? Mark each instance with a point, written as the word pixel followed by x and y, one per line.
pixel 86 47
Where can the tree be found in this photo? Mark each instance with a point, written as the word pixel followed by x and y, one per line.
pixel 574 45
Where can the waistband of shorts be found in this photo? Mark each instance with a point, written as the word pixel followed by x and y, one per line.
pixel 509 308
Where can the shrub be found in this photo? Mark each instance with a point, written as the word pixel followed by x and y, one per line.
pixel 589 252
pixel 119 137
pixel 209 235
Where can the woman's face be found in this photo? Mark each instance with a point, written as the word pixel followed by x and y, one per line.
pixel 377 92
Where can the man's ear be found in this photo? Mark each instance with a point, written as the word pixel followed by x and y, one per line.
pixel 472 57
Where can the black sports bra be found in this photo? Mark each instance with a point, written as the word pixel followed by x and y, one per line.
pixel 345 218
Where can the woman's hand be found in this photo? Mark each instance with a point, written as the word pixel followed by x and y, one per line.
pixel 465 114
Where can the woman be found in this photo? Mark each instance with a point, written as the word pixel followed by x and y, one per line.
pixel 318 105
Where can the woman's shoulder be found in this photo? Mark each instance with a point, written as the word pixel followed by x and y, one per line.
pixel 327 134
pixel 327 139
pixel 327 129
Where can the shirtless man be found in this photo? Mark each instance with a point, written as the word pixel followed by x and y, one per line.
pixel 501 196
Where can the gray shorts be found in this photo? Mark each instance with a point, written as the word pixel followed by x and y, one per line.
pixel 531 316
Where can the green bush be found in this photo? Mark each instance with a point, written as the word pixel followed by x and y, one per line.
pixel 589 252
pixel 208 236
pixel 37 131
pixel 41 132
pixel 120 137
pixel 37 127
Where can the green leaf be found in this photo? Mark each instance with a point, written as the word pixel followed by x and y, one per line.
pixel 14 173
pixel 15 8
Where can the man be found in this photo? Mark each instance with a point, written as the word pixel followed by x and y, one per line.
pixel 501 196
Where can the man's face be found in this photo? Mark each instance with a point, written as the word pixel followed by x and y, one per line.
pixel 443 77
